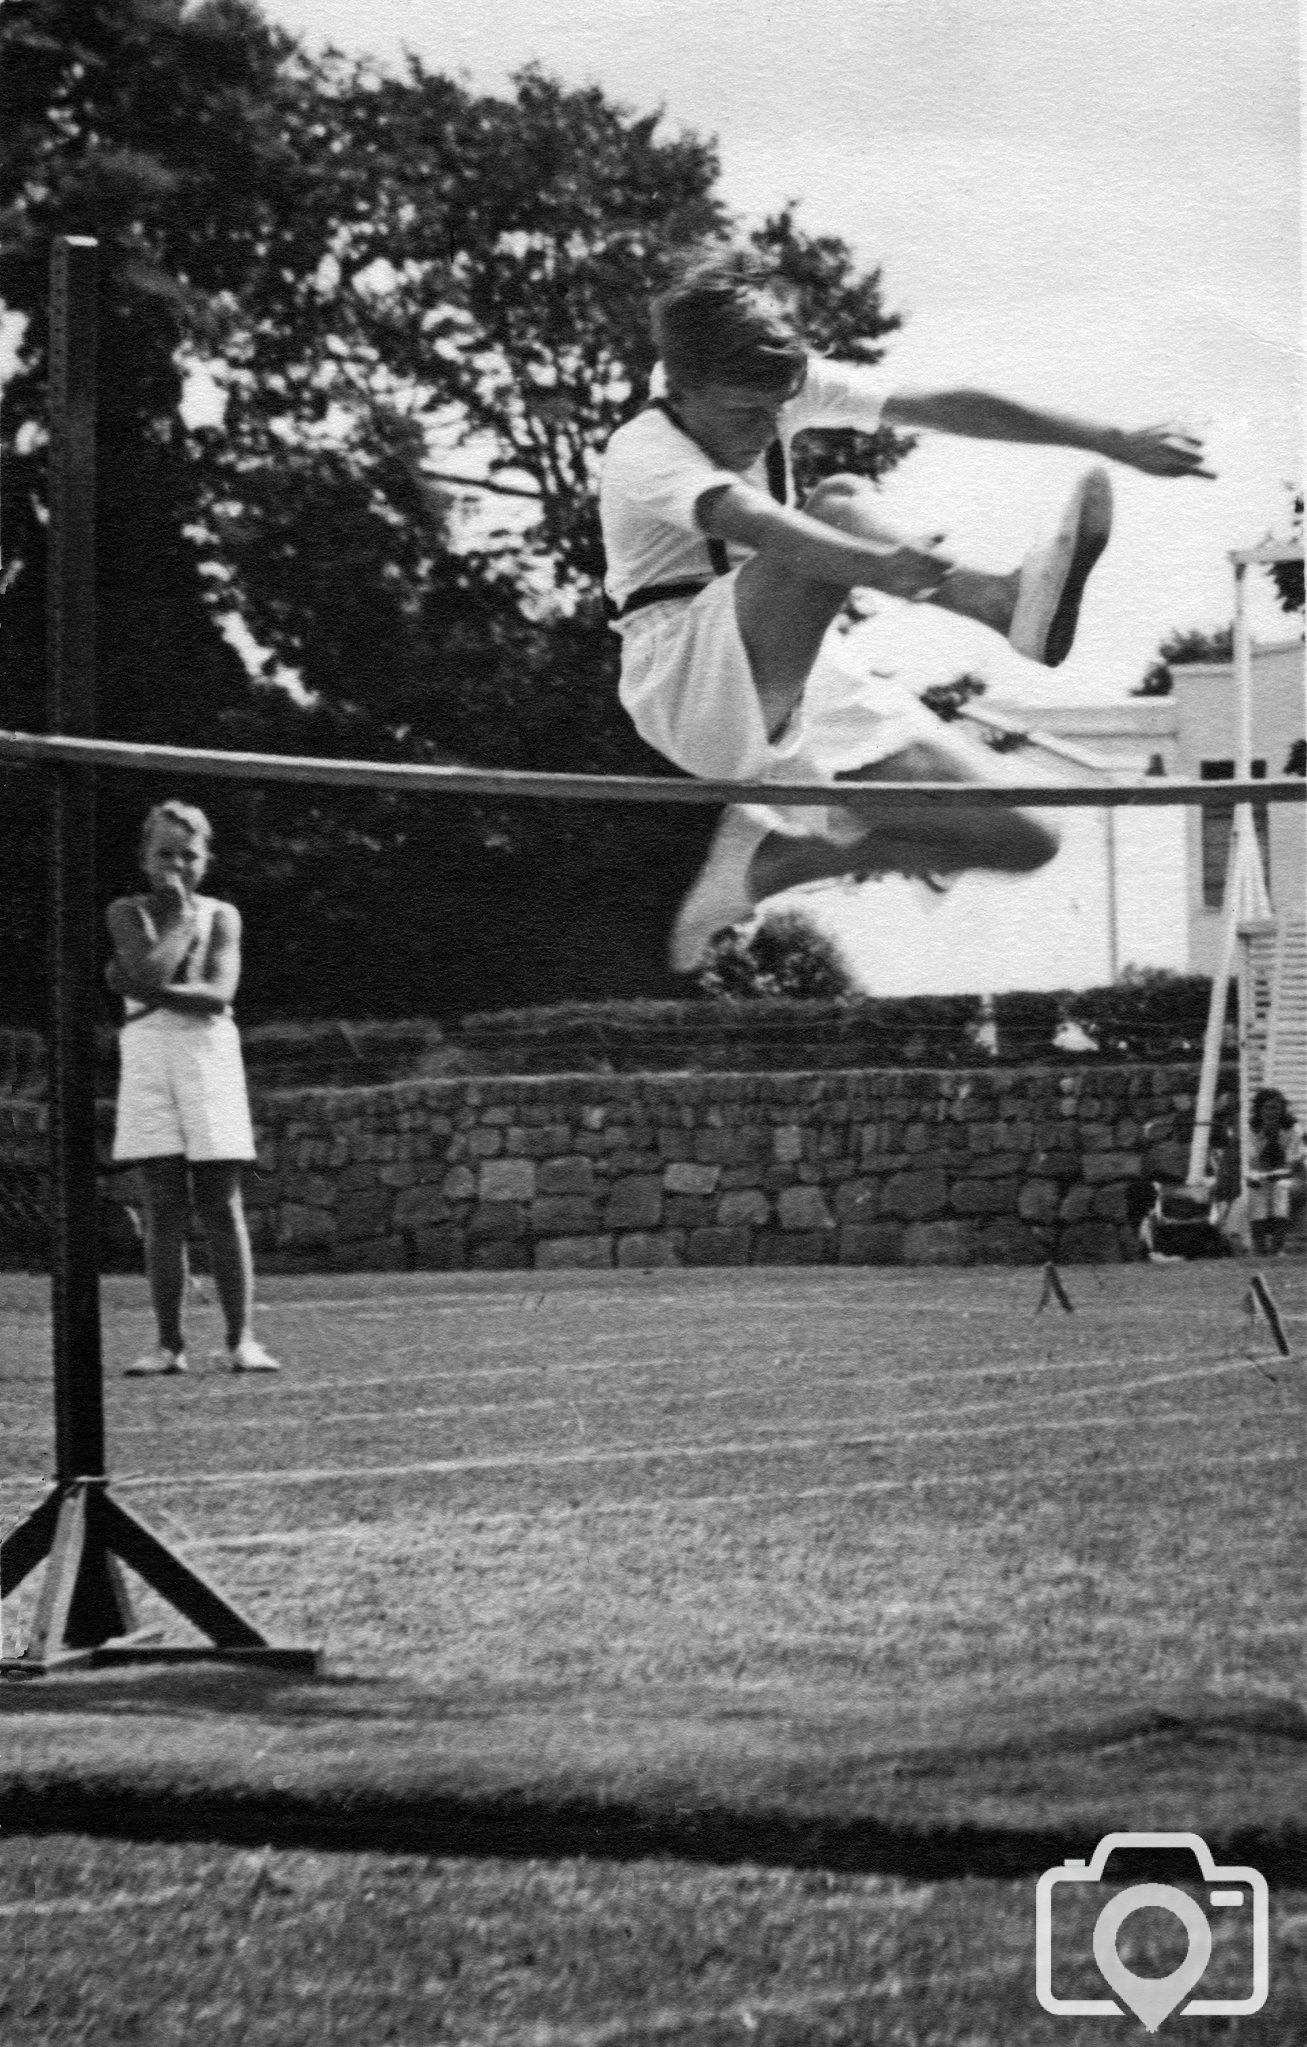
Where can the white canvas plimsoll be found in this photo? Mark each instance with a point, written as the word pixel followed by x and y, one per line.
pixel 249 1356
pixel 156 1364
pixel 1053 575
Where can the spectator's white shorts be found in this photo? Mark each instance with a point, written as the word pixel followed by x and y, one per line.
pixel 1270 1200
pixel 181 1089
pixel 688 689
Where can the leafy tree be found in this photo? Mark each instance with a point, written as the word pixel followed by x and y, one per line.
pixel 783 955
pixel 420 313
pixel 1181 647
pixel 148 128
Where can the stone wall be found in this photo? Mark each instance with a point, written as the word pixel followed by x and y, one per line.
pixel 1010 1165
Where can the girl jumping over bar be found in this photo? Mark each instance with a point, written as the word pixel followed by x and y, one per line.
pixel 182 1106
pixel 722 591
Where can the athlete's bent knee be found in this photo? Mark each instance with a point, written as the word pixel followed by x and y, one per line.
pixel 836 497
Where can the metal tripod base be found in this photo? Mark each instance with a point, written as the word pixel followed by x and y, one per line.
pixel 84 1614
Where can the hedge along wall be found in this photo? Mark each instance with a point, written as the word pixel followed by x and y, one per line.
pixel 1009 1164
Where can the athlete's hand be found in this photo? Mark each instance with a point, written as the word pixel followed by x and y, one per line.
pixel 175 899
pixel 908 564
pixel 1162 451
pixel 915 573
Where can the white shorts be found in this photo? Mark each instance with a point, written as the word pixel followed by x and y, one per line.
pixel 688 689
pixel 181 1089
pixel 1269 1200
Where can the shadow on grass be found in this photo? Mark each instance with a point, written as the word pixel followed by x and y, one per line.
pixel 252 1757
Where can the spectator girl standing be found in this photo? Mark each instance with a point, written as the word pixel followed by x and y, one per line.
pixel 183 1115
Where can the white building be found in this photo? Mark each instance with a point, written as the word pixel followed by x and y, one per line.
pixel 1205 745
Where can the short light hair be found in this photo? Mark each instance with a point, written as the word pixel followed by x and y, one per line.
pixel 175 812
pixel 722 322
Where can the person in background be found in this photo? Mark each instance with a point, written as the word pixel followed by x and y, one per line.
pixel 1274 1173
pixel 183 1116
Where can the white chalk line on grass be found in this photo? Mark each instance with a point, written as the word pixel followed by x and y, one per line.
pixel 748 1384
pixel 512 1409
pixel 1111 1387
pixel 91 1908
pixel 884 1442
pixel 526 1289
pixel 352 1531
pixel 948 1373
pixel 526 1301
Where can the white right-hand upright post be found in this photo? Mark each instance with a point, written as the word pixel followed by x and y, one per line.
pixel 1243 858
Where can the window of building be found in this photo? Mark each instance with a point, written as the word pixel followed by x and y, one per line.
pixel 1218 823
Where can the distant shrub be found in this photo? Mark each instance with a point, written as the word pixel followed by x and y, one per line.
pixel 277 1055
pixel 1148 1013
pixel 783 955
pixel 748 1034
pixel 340 1054
pixel 1026 1024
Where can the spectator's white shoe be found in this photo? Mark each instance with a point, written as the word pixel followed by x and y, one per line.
pixel 1053 576
pixel 156 1364
pixel 721 896
pixel 249 1356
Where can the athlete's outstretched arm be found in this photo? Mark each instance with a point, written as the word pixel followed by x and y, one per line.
pixel 880 556
pixel 1157 450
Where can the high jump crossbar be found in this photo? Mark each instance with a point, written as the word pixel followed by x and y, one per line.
pixel 52 751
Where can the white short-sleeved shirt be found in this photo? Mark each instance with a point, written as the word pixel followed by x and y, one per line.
pixel 654 476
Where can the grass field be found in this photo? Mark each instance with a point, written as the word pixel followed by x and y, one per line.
pixel 712 1655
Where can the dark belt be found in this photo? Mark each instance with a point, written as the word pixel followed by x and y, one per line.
pixel 654 593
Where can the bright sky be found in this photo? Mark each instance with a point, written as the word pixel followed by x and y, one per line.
pixel 1096 207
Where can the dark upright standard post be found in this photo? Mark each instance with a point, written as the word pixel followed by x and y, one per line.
pixel 84 1600
pixel 70 707
pixel 84 1612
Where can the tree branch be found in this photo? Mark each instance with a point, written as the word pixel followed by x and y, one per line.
pixel 505 490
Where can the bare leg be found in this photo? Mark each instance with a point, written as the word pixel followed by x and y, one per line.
pixel 167 1206
pixel 924 838
pixel 916 838
pixel 784 616
pixel 988 599
pixel 218 1198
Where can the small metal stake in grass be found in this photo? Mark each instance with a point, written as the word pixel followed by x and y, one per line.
pixel 1259 1296
pixel 1053 1290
